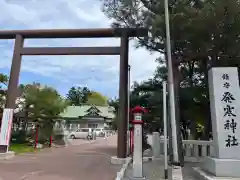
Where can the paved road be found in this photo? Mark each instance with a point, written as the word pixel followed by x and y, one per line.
pixel 86 161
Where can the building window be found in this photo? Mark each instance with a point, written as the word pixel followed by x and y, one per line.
pixel 92 125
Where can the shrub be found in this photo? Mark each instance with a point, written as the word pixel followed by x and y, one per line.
pixel 19 137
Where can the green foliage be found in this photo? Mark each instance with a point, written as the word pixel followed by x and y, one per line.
pixel 45 102
pixel 97 99
pixel 21 148
pixel 114 103
pixel 19 137
pixel 43 105
pixel 191 37
pixel 203 34
pixel 148 94
pixel 78 95
pixel 3 90
pixel 3 81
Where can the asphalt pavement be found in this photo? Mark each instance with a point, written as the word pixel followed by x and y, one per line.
pixel 81 160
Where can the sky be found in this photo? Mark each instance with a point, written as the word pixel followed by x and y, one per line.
pixel 99 73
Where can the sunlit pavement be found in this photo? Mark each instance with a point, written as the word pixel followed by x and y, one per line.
pixel 86 161
pixel 76 142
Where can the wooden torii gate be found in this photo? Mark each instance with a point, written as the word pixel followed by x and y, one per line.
pixel 123 33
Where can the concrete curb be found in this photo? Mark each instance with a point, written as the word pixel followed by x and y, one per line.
pixel 121 173
pixel 198 173
pixel 146 159
pixel 151 158
pixel 176 173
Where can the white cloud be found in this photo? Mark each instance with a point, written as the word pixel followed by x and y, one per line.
pixel 45 14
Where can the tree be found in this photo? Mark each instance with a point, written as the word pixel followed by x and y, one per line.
pixel 195 46
pixel 78 95
pixel 46 101
pixel 3 90
pixel 114 103
pixel 149 94
pixel 96 98
pixel 43 106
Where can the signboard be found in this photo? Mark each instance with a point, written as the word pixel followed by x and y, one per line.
pixel 224 94
pixel 6 127
pixel 138 117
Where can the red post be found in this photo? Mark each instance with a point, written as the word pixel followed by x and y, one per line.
pixel 131 140
pixel 50 141
pixel 137 146
pixel 36 137
pixel 136 109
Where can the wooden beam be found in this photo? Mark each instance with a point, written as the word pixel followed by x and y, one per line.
pixel 70 51
pixel 74 33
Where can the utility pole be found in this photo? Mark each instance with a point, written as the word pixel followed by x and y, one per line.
pixel 171 88
pixel 165 130
pixel 128 117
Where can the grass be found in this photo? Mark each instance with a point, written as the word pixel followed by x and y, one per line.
pixel 21 148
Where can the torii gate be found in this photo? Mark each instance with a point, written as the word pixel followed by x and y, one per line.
pixel 122 33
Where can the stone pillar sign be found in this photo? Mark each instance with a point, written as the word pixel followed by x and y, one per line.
pixel 137 149
pixel 225 114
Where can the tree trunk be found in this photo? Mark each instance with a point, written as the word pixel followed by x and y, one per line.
pixel 207 119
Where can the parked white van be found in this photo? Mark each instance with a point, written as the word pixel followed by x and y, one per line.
pixel 82 133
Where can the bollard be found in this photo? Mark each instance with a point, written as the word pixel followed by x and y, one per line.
pixel 156 145
pixel 105 135
pixel 161 145
pixel 65 138
pixel 94 135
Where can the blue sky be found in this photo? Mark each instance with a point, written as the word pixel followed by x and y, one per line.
pixel 99 73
